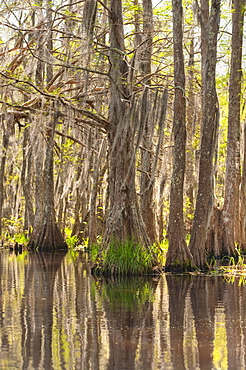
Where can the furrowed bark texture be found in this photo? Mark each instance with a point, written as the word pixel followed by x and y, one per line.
pixel 46 235
pixel 178 255
pixel 205 195
pixel 232 180
pixel 124 221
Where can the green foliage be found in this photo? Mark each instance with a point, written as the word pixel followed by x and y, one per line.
pixel 127 258
pixel 159 250
pixel 20 239
pixel 13 232
pixel 94 252
pixel 70 240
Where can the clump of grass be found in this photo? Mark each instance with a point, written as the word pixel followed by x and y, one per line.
pixel 127 258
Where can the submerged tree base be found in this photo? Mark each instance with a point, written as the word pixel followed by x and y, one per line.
pixel 47 237
pixel 123 259
pixel 179 258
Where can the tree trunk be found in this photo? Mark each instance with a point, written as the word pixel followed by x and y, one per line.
pixel 46 235
pixel 204 199
pixel 8 130
pixel 243 199
pixel 124 221
pixel 26 180
pixel 232 181
pixel 191 126
pixel 147 176
pixel 178 255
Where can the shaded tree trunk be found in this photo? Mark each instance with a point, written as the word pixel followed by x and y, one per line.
pixel 205 194
pixel 46 235
pixel 26 180
pixel 178 255
pixel 8 130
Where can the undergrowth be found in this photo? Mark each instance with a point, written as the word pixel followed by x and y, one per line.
pixel 127 258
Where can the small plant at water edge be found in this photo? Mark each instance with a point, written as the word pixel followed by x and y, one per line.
pixel 127 258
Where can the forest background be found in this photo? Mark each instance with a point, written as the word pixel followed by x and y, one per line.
pixel 122 122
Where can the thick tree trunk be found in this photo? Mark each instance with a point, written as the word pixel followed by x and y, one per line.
pixel 46 235
pixel 205 195
pixel 124 221
pixel 178 255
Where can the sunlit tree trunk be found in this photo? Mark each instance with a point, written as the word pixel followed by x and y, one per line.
pixel 124 221
pixel 147 177
pixel 191 127
pixel 178 255
pixel 225 228
pixel 205 194
pixel 232 180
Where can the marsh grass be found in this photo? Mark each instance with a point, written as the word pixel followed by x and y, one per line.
pixel 128 258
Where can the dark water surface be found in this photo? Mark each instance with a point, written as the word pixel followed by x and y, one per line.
pixel 55 315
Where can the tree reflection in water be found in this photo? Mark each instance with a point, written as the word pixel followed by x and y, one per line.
pixel 55 315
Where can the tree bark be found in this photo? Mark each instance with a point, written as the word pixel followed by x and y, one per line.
pixel 46 235
pixel 205 195
pixel 178 255
pixel 8 130
pixel 232 181
pixel 124 221
pixel 190 127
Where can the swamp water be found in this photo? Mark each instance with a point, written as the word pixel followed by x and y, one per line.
pixel 55 315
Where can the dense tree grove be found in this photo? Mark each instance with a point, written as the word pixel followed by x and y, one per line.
pixel 124 121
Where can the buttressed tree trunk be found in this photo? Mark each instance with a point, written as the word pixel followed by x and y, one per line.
pixel 124 221
pixel 205 194
pixel 178 255
pixel 46 235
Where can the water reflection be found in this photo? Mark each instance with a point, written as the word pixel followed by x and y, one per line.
pixel 55 315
